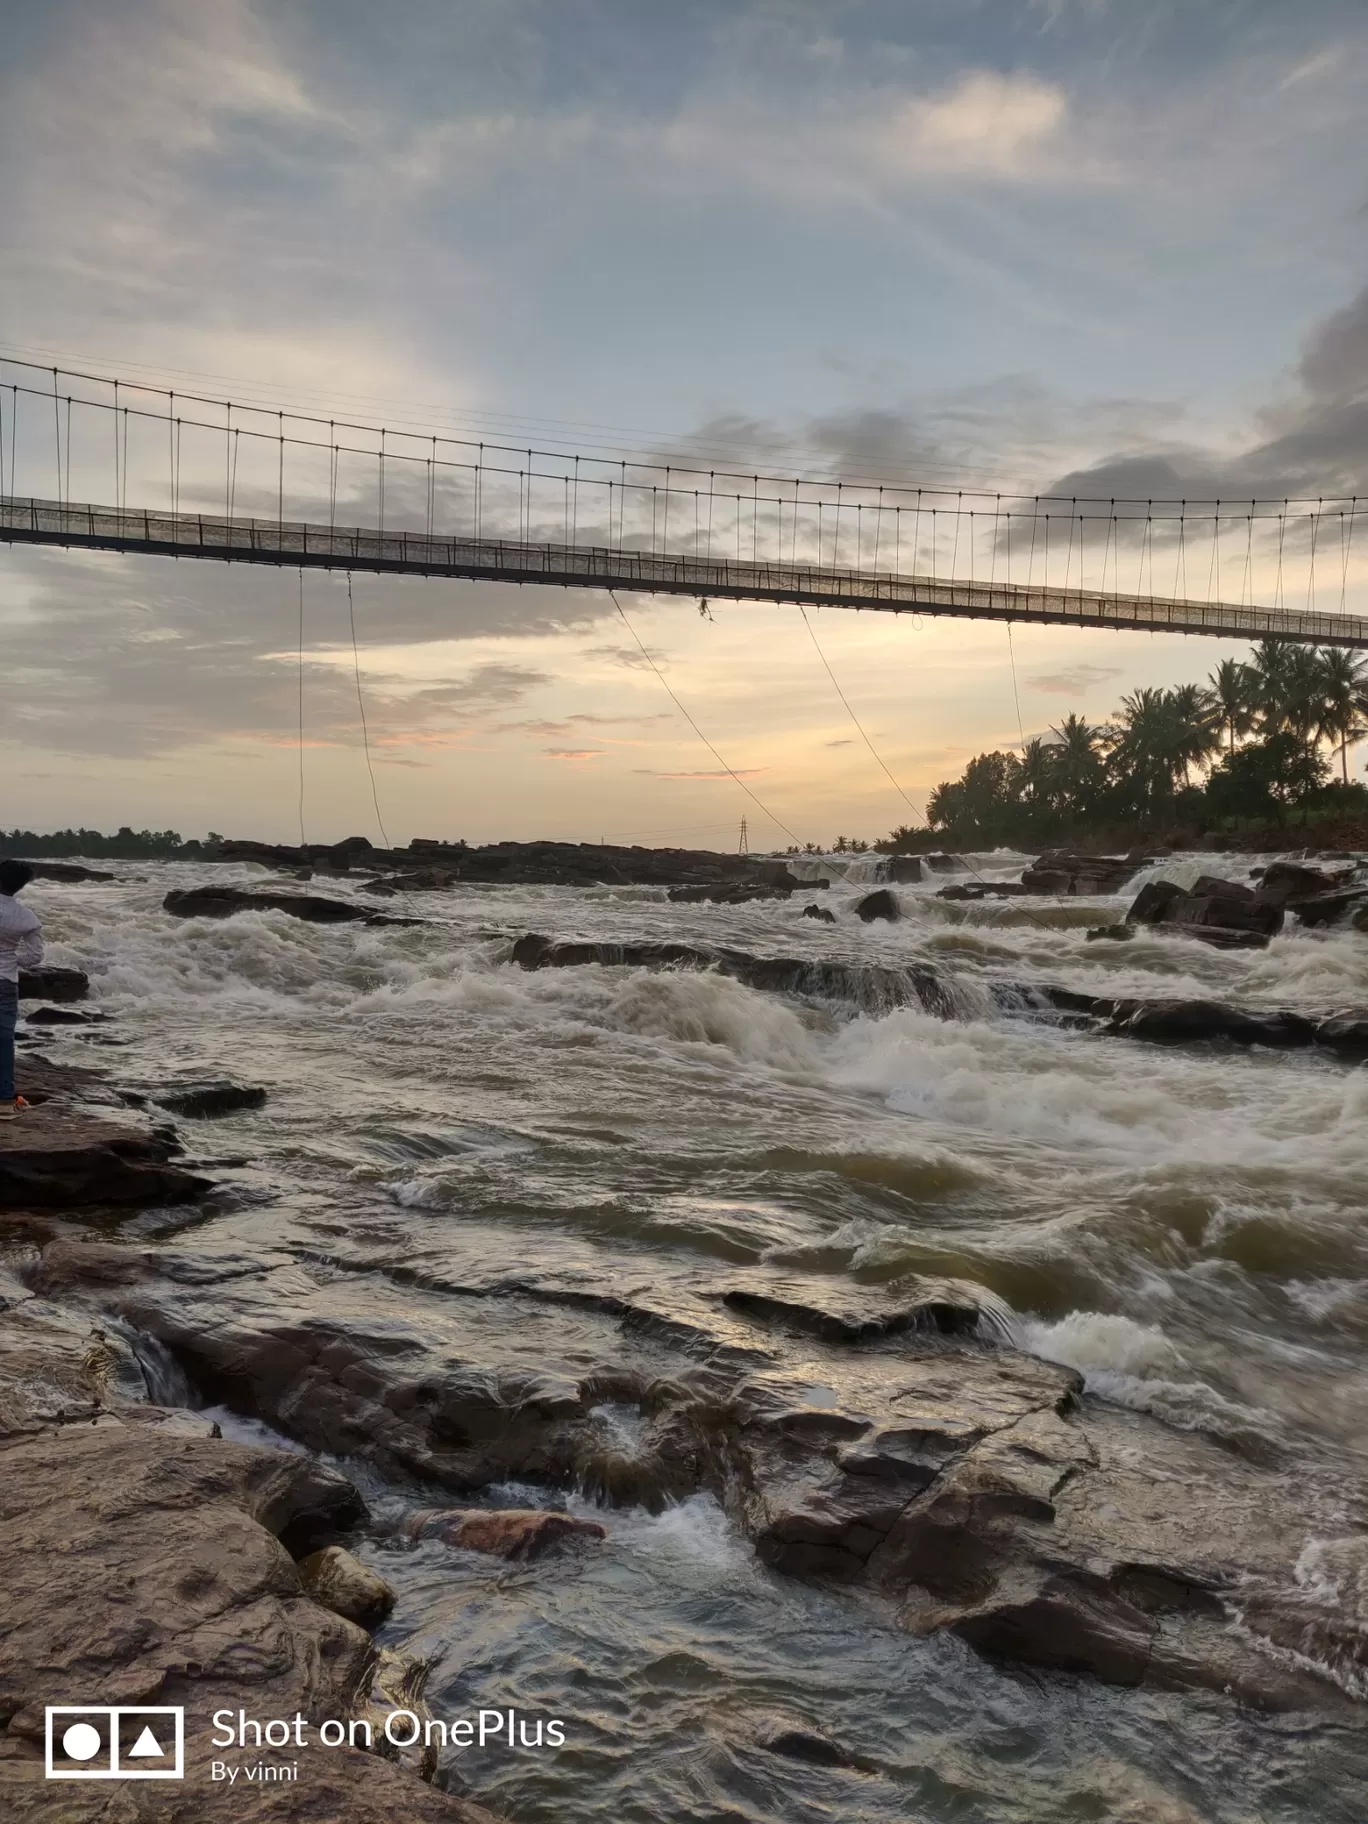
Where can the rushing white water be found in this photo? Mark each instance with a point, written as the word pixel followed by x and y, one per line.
pixel 1183 1226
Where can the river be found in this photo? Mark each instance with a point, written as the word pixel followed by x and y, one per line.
pixel 1184 1226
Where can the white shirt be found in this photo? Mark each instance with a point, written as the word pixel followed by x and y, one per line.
pixel 21 939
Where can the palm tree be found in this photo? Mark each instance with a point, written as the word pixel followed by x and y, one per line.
pixel 1344 700
pixel 1196 729
pixel 1231 689
pixel 1077 763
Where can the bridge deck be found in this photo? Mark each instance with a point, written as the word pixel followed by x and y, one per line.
pixel 399 553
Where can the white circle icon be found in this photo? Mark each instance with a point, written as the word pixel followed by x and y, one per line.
pixel 82 1742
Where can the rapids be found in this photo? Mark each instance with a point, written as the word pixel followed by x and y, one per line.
pixel 1185 1227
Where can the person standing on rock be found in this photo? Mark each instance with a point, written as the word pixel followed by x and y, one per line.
pixel 21 947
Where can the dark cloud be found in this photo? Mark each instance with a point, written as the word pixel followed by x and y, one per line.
pixel 1314 442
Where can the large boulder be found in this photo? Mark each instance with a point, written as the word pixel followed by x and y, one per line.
pixel 1222 912
pixel 879 904
pixel 903 870
pixel 516 1533
pixel 338 1581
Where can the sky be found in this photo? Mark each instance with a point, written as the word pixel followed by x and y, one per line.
pixel 1073 244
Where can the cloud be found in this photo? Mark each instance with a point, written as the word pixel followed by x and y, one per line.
pixel 573 753
pixel 986 124
pixel 1077 681
pixel 631 656
pixel 739 772
pixel 845 741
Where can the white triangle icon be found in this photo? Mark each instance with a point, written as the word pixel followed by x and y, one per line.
pixel 147 1744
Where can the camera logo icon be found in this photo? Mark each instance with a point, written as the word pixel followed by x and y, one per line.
pixel 115 1742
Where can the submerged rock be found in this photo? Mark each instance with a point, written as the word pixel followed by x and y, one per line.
pixel 205 1101
pixel 516 1533
pixel 339 1582
pixel 824 913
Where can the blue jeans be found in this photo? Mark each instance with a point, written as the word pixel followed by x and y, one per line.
pixel 9 1013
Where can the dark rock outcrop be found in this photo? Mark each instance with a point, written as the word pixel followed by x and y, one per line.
pixel 56 1157
pixel 1222 912
pixel 903 870
pixel 983 889
pixel 206 1101
pixel 879 904
pixel 1060 872
pixel 733 892
pixel 53 984
pixel 824 913
pixel 63 1016
pixel 226 902
pixel 67 870
pixel 1185 1022
pixel 868 986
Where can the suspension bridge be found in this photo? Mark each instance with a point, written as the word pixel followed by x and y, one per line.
pixel 187 476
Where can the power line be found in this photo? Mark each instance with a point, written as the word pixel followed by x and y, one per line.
pixel 361 706
pixel 732 773
pixel 854 718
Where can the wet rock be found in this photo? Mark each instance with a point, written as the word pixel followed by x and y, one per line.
pixel 878 905
pixel 1290 882
pixel 1222 912
pixel 67 870
pixel 966 1487
pixel 869 986
pixel 937 1306
pixel 824 913
pixel 514 1533
pixel 732 893
pixel 62 1016
pixel 1063 873
pixel 420 880
pixel 983 889
pixel 1180 1022
pixel 1347 903
pixel 798 1741
pixel 1153 901
pixel 1118 933
pixel 53 984
pixel 56 1157
pixel 1345 1033
pixel 174 1588
pixel 337 1581
pixel 226 902
pixel 903 870
pixel 206 1101
pixel 939 862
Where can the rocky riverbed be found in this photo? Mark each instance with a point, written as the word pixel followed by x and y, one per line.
pixel 815 1363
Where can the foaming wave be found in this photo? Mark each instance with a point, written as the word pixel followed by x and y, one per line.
pixel 1135 1365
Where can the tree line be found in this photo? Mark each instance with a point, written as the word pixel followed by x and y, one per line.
pixel 125 845
pixel 1258 739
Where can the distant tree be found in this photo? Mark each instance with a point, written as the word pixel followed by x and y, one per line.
pixel 1231 690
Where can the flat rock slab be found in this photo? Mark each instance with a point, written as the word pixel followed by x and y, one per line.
pixel 57 1157
pixel 970 1487
pixel 53 984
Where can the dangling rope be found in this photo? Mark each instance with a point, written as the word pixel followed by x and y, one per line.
pixel 730 771
pixel 854 718
pixel 361 706
pixel 1016 694
pixel 301 707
